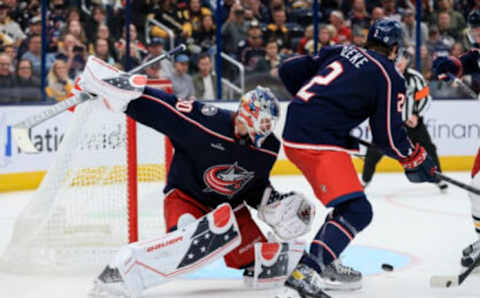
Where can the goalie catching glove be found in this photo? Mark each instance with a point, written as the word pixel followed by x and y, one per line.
pixel 114 87
pixel 290 215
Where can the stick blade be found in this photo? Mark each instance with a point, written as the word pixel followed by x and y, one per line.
pixel 20 135
pixel 443 281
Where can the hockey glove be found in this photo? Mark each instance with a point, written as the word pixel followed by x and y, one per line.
pixel 446 66
pixel 419 167
pixel 290 215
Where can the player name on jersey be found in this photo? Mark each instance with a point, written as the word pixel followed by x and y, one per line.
pixel 354 56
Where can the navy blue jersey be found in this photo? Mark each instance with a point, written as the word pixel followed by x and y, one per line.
pixel 209 164
pixel 335 92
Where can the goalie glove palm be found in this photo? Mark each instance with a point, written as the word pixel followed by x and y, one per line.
pixel 113 86
pixel 290 215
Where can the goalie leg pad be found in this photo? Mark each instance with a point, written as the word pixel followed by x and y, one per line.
pixel 243 255
pixel 145 264
pixel 274 262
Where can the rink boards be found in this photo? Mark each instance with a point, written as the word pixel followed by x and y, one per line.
pixel 453 125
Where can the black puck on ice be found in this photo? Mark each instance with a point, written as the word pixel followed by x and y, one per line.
pixel 387 267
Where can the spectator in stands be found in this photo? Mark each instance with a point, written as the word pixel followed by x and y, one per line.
pixel 181 80
pixel 457 49
pixel 269 63
pixel 409 28
pixel 165 13
pixel 34 54
pixel 359 38
pixel 344 33
pixel 251 50
pixel 191 17
pixel 377 13
pixel 7 80
pixel 256 10
pixel 153 72
pixel 156 48
pixel 308 35
pixel 59 85
pixel 426 61
pixel 359 15
pixel 390 10
pixel 278 31
pixel 35 28
pixel 135 58
pixel 75 28
pixel 9 27
pixel 457 21
pixel 26 84
pixel 234 30
pixel 139 47
pixel 103 52
pixel 9 49
pixel 205 82
pixel 205 36
pixel 103 32
pixel 445 29
pixel 91 26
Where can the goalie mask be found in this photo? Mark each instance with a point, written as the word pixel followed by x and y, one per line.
pixel 259 111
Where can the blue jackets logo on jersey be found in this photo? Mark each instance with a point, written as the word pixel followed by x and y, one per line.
pixel 226 180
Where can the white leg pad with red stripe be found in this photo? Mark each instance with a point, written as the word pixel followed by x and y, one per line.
pixel 274 262
pixel 145 264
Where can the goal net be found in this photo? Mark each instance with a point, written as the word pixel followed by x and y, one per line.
pixel 87 205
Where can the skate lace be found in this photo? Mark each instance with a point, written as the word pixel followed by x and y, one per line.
pixel 342 268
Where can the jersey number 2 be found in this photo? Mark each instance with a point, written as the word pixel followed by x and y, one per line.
pixel 336 70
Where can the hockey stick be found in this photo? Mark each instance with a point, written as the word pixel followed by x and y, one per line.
pixel 447 281
pixel 20 130
pixel 437 174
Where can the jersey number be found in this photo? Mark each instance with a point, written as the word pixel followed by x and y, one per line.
pixel 400 102
pixel 185 106
pixel 336 70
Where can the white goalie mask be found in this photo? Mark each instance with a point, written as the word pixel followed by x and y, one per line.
pixel 259 111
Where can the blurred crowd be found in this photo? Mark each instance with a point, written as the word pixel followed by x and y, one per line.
pixel 257 33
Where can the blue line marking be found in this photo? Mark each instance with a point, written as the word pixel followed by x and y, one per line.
pixel 368 260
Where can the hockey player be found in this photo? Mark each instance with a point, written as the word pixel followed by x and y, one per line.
pixel 443 68
pixel 417 101
pixel 222 161
pixel 333 93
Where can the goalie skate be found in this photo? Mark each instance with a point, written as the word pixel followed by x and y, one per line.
pixel 470 255
pixel 304 282
pixel 109 284
pixel 337 276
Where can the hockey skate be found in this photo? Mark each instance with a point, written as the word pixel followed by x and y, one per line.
pixel 109 284
pixel 337 276
pixel 471 254
pixel 304 282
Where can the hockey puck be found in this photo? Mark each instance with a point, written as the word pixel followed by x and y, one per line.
pixel 387 267
pixel 449 283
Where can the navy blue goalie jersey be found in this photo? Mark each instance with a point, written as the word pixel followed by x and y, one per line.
pixel 336 91
pixel 209 163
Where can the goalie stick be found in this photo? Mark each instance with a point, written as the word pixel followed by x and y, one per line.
pixel 437 174
pixel 20 131
pixel 447 281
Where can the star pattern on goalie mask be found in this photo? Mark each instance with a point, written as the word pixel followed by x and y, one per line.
pixel 120 82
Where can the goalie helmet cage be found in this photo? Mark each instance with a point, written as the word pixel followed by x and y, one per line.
pixel 86 206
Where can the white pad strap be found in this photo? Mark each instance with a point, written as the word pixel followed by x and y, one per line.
pixel 113 86
pixel 290 215
pixel 149 263
pixel 274 262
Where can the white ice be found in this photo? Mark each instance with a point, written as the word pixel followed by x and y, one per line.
pixel 412 219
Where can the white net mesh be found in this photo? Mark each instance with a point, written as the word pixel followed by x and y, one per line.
pixel 78 218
